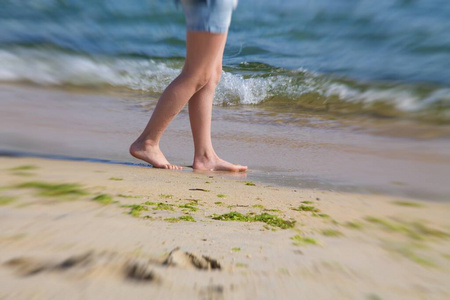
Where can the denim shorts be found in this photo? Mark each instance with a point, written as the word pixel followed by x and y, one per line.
pixel 208 15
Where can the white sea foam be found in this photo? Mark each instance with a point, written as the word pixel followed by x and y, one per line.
pixel 398 97
pixel 57 68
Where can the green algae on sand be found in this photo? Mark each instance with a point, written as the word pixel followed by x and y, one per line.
pixel 241 265
pixel 23 173
pixel 415 230
pixel 182 218
pixel 321 215
pixel 128 196
pixel 55 189
pixel 331 233
pixel 168 206
pixel 408 203
pixel 272 210
pixel 306 208
pixel 23 168
pixel 104 199
pixel 408 252
pixel 163 206
pixel 135 209
pixel 188 207
pixel 264 217
pixel 354 225
pixel 307 202
pixel 299 240
pixel 187 218
pixel 260 206
pixel 4 200
pixel 159 205
pixel 166 196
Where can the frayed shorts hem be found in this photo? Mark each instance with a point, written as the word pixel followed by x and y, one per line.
pixel 211 29
pixel 214 17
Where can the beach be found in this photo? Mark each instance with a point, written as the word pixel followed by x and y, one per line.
pixel 340 110
pixel 377 229
pixel 114 234
pixel 325 211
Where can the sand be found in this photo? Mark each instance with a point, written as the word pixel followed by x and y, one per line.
pixel 347 246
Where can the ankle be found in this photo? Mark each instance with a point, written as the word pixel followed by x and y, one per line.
pixel 147 143
pixel 205 155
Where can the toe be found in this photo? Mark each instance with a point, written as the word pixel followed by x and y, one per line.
pixel 241 168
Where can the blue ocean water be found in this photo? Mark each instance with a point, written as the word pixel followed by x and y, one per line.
pixel 387 57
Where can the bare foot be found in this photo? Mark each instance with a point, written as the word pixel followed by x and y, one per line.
pixel 216 164
pixel 151 154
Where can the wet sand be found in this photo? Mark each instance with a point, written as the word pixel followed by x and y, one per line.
pixel 89 241
pixel 280 149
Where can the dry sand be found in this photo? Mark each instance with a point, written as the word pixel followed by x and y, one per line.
pixel 55 246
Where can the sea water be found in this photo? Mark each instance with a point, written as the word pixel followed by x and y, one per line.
pixel 388 58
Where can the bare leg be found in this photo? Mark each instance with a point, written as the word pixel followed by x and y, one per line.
pixel 200 110
pixel 202 49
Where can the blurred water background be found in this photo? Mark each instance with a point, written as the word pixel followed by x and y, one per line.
pixel 386 58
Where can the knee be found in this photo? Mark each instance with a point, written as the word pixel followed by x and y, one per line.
pixel 214 77
pixel 198 79
pixel 217 74
pixel 204 78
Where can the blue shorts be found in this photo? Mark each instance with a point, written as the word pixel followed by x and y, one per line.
pixel 208 15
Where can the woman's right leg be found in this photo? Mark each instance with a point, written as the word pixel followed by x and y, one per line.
pixel 200 111
pixel 202 50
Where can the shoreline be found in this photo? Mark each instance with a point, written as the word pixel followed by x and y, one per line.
pixel 118 218
pixel 242 176
pixel 55 122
